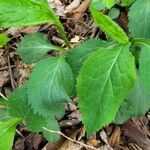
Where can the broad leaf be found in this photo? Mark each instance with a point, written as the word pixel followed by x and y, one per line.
pixel 34 47
pixel 49 87
pixel 109 3
pixel 81 52
pixel 51 125
pixel 15 13
pixel 104 80
pixel 109 26
pixel 18 107
pixel 139 22
pixel 3 40
pixel 137 103
pixel 97 4
pixel 4 116
pixel 114 13
pixel 60 28
pixel 3 102
pixel 18 13
pixel 144 62
pixel 7 132
pixel 126 2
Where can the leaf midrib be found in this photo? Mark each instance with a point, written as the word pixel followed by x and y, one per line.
pixel 105 83
pixel 11 125
pixel 54 74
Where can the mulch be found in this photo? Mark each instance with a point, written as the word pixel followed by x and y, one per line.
pixel 132 135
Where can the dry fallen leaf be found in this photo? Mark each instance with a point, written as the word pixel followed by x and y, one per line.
pixel 19 144
pixel 3 60
pixel 75 39
pixel 13 31
pixel 69 145
pixel 28 30
pixel 73 119
pixel 3 77
pixel 72 6
pixel 33 141
pixel 104 138
pixel 24 72
pixel 57 6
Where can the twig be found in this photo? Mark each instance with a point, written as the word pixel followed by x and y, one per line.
pixel 4 68
pixel 19 133
pixel 77 142
pixel 11 76
pixel 3 96
pixel 81 9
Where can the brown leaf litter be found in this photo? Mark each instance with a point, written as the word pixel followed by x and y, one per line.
pixel 132 135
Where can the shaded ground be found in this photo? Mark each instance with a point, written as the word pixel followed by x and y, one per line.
pixel 132 135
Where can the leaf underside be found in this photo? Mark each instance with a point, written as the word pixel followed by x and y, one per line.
pixel 136 104
pixel 4 116
pixel 139 22
pixel 104 80
pixel 144 62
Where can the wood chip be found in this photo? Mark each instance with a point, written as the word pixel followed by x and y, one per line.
pixel 132 133
pixel 92 142
pixel 115 137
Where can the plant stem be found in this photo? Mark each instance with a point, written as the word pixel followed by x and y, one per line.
pixel 70 139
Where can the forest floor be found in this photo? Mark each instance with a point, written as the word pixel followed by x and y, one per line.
pixel 132 135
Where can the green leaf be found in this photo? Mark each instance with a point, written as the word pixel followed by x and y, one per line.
pixel 3 40
pixel 3 102
pixel 16 13
pixel 114 13
pixel 60 28
pixel 81 52
pixel 126 2
pixel 7 132
pixel 34 47
pixel 109 3
pixel 49 87
pixel 104 80
pixel 4 116
pixel 109 26
pixel 139 22
pixel 18 107
pixel 51 125
pixel 144 62
pixel 97 4
pixel 137 103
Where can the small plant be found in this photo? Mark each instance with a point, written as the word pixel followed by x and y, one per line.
pixel 110 78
